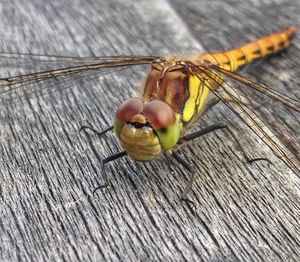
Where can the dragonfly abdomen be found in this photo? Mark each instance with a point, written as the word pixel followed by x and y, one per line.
pixel 233 59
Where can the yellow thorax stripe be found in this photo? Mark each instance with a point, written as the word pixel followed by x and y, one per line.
pixel 198 94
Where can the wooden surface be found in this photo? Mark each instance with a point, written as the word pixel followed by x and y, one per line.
pixel 48 170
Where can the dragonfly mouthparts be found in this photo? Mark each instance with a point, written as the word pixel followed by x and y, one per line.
pixel 139 125
pixel 138 121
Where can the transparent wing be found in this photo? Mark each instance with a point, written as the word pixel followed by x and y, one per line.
pixel 260 118
pixel 63 59
pixel 77 67
pixel 284 99
pixel 98 63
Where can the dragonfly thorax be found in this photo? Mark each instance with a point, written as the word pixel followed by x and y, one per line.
pixel 146 129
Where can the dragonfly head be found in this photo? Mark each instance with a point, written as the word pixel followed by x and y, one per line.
pixel 146 129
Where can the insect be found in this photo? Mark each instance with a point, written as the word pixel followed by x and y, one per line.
pixel 177 92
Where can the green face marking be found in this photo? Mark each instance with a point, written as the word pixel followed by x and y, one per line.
pixel 118 125
pixel 169 136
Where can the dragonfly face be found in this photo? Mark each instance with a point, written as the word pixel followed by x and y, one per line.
pixel 146 129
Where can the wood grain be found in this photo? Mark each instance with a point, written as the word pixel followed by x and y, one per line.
pixel 48 169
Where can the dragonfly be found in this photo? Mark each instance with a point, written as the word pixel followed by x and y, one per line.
pixel 177 92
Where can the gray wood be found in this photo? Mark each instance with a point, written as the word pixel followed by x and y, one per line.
pixel 48 170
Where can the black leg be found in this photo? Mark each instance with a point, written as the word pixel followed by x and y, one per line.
pixel 191 169
pixel 211 128
pixel 192 172
pixel 106 160
pixel 187 165
pixel 103 172
pixel 201 132
pixel 248 159
pixel 101 133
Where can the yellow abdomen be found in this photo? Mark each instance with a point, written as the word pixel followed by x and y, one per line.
pixel 233 59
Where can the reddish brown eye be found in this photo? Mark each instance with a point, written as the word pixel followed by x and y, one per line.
pixel 159 114
pixel 129 108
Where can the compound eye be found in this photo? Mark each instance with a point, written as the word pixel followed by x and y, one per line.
pixel 129 108
pixel 159 114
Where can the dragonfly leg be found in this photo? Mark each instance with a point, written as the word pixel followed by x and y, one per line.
pixel 192 172
pixel 201 132
pixel 248 159
pixel 99 133
pixel 103 172
pixel 214 127
pixel 191 169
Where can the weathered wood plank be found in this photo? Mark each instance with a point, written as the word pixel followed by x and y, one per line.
pixel 48 170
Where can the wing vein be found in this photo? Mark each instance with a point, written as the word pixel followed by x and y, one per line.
pixel 249 117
